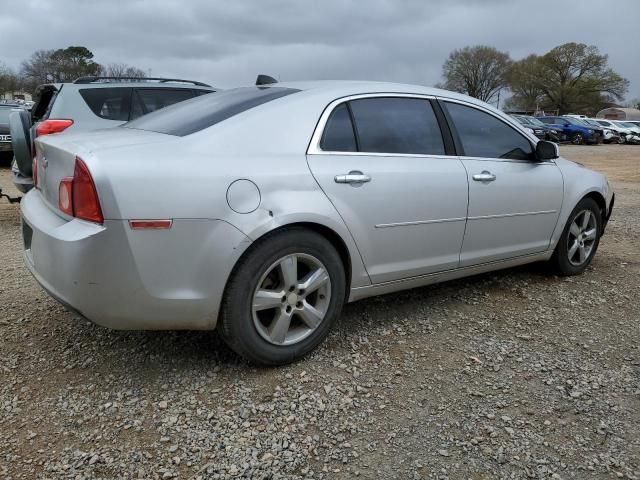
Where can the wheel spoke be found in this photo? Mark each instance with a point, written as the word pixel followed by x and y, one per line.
pixel 289 268
pixel 265 299
pixel 585 219
pixel 279 327
pixel 310 315
pixel 573 249
pixel 574 229
pixel 590 234
pixel 314 280
pixel 582 253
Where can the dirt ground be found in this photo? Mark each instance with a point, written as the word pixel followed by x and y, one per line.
pixel 514 374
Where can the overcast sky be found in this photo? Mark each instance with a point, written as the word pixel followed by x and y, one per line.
pixel 226 43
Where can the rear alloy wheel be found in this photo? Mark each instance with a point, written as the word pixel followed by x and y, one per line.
pixel 579 240
pixel 283 297
pixel 291 299
pixel 577 139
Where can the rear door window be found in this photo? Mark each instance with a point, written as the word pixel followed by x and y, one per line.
pixel 485 136
pixel 109 103
pixel 147 100
pixel 397 125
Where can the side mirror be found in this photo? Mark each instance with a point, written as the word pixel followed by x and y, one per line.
pixel 546 150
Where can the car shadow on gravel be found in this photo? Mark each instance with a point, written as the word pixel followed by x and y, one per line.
pixel 145 351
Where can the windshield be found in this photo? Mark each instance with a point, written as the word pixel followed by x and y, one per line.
pixel 201 112
pixel 628 124
pixel 535 121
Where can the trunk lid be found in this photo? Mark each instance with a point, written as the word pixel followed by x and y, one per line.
pixel 56 155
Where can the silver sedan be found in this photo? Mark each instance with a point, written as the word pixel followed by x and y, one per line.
pixel 262 210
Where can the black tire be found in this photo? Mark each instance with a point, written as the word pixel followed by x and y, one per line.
pixel 577 139
pixel 236 322
pixel 560 261
pixel 20 130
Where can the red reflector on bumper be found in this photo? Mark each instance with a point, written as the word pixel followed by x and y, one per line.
pixel 150 224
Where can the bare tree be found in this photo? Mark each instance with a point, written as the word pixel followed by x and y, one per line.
pixel 122 70
pixel 478 71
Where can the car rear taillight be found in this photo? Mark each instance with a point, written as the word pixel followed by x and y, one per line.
pixel 52 125
pixel 77 195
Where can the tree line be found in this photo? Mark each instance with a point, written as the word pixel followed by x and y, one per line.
pixel 570 78
pixel 60 65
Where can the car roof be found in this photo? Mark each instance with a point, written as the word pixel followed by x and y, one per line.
pixel 123 84
pixel 137 84
pixel 343 88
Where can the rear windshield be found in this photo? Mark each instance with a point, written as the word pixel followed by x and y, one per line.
pixel 199 113
pixel 4 114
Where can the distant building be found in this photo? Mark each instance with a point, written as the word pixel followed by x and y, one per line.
pixel 17 95
pixel 619 113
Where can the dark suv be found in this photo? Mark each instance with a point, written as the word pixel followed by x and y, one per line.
pixel 91 103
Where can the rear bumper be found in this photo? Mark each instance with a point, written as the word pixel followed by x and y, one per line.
pixel 125 279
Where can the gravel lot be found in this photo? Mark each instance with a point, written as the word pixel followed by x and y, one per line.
pixel 515 374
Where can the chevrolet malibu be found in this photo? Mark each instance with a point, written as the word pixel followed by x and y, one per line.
pixel 262 210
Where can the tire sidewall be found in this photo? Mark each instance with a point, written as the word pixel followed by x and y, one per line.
pixel 562 256
pixel 237 318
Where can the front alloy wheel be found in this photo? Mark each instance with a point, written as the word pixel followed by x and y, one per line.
pixel 581 238
pixel 577 139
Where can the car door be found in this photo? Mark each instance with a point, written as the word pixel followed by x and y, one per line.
pixel 382 162
pixel 514 200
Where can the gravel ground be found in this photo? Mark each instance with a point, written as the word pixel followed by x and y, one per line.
pixel 515 374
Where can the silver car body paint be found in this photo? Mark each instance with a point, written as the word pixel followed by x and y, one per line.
pixel 447 227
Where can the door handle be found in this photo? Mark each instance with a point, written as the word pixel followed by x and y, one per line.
pixel 485 176
pixel 354 177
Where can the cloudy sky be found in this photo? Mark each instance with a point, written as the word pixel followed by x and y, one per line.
pixel 228 42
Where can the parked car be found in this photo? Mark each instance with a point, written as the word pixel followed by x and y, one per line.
pixel 628 131
pixel 5 134
pixel 91 103
pixel 572 128
pixel 607 124
pixel 609 135
pixel 539 129
pixel 628 125
pixel 289 200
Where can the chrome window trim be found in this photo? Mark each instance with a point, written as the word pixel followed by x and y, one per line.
pixel 314 144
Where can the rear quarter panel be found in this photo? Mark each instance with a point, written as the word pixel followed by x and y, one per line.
pixel 188 177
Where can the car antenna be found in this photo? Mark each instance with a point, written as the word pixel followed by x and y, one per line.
pixel 265 80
